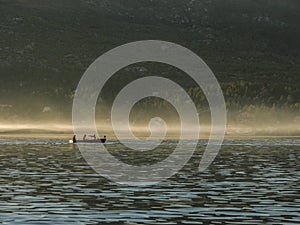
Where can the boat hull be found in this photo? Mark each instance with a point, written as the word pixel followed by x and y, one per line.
pixel 98 141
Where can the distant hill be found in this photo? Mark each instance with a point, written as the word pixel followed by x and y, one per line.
pixel 45 46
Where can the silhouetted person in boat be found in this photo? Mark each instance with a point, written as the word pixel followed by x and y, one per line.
pixel 84 137
pixel 74 139
pixel 103 140
pixel 93 136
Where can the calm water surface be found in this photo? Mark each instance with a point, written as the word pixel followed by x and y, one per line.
pixel 250 182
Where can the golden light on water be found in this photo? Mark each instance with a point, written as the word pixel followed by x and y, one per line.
pixel 143 131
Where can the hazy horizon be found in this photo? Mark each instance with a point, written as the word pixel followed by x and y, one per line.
pixel 173 131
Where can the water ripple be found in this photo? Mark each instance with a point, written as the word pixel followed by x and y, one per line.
pixel 50 183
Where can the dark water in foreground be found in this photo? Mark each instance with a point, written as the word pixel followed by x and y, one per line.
pixel 250 182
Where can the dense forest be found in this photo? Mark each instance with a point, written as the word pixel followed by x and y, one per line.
pixel 252 46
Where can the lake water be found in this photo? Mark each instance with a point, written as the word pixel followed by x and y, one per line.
pixel 252 181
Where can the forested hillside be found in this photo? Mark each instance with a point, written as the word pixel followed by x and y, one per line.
pixel 252 46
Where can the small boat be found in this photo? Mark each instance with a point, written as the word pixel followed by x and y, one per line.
pixel 101 140
pixel 91 141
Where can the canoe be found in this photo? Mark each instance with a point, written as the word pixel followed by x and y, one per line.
pixel 97 141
